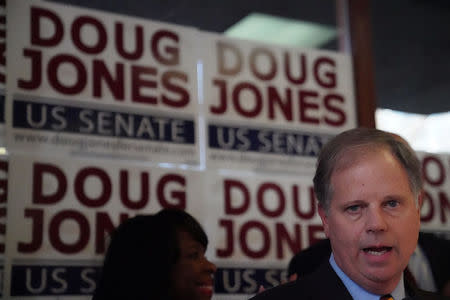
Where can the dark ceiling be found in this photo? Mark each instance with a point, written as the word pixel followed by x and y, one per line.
pixel 411 38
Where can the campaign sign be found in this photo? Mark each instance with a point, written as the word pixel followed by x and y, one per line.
pixel 435 212
pixel 58 225
pixel 256 224
pixel 84 81
pixel 273 108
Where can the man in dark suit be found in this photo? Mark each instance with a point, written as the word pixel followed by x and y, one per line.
pixel 369 188
pixel 429 265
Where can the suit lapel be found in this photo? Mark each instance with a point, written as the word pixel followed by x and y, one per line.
pixel 331 286
pixel 414 293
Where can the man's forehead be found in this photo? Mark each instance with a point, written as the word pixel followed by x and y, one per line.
pixel 353 155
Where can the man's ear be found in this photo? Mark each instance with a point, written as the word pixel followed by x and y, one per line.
pixel 323 215
pixel 420 199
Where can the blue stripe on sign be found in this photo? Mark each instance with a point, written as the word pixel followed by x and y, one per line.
pixel 49 280
pixel 260 140
pixel 53 280
pixel 108 123
pixel 246 281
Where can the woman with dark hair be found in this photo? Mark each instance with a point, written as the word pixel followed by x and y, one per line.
pixel 159 257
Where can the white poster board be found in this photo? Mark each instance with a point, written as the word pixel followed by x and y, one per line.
pixel 256 224
pixel 271 108
pixel 66 214
pixel 435 213
pixel 87 82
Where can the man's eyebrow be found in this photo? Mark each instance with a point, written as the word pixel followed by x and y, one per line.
pixel 395 197
pixel 353 202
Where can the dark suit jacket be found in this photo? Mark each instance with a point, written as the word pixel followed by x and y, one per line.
pixel 437 251
pixel 325 284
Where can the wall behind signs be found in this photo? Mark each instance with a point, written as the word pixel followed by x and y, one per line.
pixel 108 116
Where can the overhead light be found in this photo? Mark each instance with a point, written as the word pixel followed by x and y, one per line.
pixel 283 31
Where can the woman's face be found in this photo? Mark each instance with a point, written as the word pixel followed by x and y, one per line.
pixel 192 277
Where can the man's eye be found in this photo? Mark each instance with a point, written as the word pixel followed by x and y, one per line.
pixel 392 203
pixel 353 208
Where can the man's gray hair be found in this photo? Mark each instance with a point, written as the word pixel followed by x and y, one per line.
pixel 344 149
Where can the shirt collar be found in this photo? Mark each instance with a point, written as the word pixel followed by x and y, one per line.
pixel 358 292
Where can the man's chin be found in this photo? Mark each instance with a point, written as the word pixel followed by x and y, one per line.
pixel 381 280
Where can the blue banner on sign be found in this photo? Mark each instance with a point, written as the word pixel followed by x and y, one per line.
pixel 246 281
pixel 53 280
pixel 71 119
pixel 261 140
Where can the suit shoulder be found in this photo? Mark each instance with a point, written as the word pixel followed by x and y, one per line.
pixel 424 295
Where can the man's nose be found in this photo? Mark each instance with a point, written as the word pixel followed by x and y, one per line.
pixel 375 220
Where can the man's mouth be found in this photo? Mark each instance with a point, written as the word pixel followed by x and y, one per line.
pixel 377 250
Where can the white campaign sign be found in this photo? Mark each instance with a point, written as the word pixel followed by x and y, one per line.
pixel 256 223
pixel 435 213
pixel 273 108
pixel 58 225
pixel 90 82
